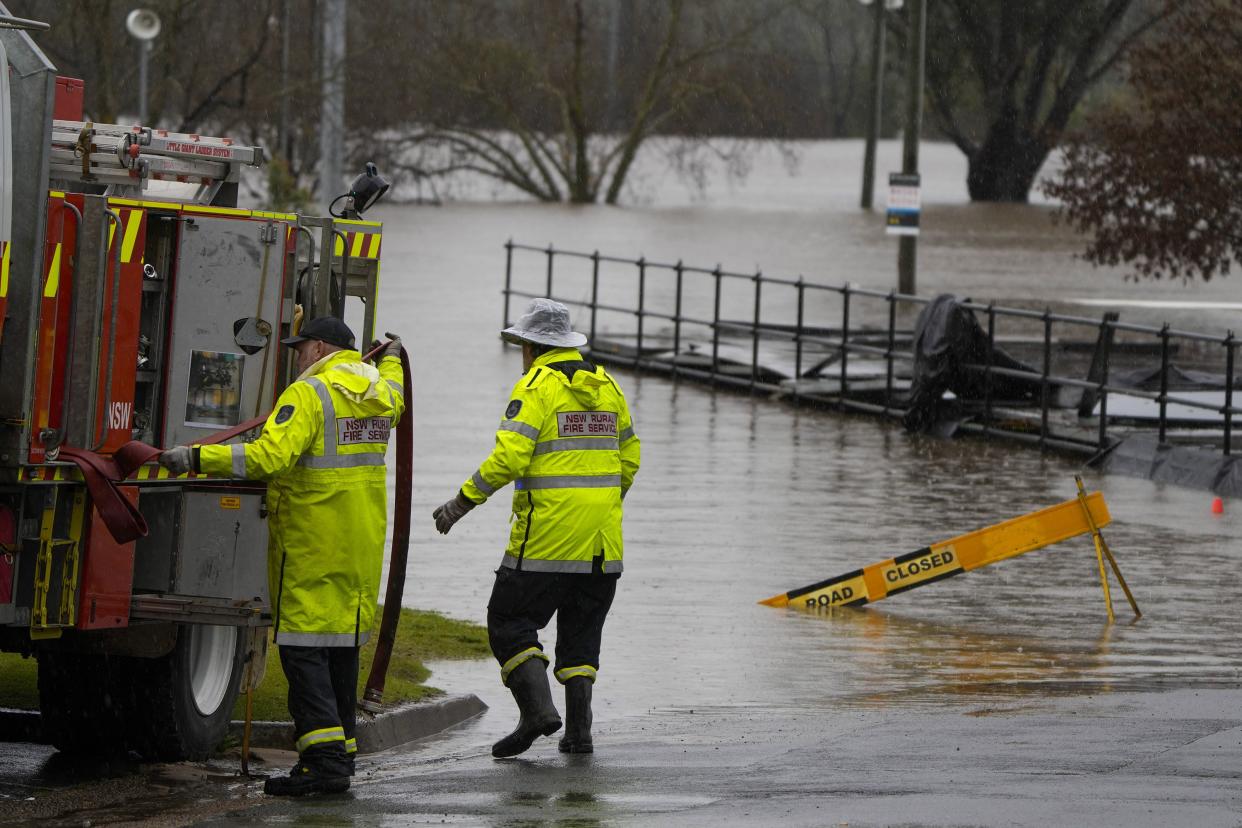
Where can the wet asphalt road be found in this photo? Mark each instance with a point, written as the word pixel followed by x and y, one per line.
pixel 998 697
pixel 1090 760
pixel 1148 759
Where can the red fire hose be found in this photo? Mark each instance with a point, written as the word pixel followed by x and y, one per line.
pixel 102 474
pixel 373 695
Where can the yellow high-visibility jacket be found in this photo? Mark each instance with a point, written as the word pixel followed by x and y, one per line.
pixel 567 443
pixel 322 453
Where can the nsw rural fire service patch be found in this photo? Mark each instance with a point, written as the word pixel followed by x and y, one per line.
pixel 353 430
pixel 586 423
pixel 512 411
pixel 283 415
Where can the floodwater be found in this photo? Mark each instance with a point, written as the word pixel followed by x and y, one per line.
pixel 742 497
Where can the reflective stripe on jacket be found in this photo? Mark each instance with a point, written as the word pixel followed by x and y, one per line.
pixel 326 496
pixel 567 444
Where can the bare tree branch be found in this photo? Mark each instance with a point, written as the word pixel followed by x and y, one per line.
pixel 210 101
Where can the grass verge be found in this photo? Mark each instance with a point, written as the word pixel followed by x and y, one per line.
pixel 420 636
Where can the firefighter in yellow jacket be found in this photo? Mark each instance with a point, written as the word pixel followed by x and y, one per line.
pixel 322 452
pixel 567 444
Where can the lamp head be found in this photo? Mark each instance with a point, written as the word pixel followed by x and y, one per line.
pixel 367 189
pixel 143 24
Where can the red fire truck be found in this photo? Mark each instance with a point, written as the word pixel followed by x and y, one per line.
pixel 139 303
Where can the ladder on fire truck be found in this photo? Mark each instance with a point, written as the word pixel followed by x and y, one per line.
pixel 124 160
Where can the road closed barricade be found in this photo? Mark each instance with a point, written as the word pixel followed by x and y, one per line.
pixel 1085 514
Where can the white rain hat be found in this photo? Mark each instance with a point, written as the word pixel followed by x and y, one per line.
pixel 546 323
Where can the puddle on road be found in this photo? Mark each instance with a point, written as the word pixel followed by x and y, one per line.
pixel 565 809
pixel 75 792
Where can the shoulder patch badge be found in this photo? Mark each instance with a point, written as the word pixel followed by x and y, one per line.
pixel 283 415
pixel 512 411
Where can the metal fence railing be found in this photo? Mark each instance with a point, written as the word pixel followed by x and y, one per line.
pixel 851 347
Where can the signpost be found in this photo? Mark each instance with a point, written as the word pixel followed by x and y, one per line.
pixel 907 244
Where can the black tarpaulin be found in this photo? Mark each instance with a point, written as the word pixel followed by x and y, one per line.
pixel 947 338
pixel 1194 467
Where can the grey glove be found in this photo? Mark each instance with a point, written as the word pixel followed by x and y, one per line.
pixel 451 512
pixel 393 349
pixel 179 460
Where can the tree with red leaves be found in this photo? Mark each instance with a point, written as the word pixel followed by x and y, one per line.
pixel 1158 181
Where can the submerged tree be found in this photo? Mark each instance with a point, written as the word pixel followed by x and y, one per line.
pixel 1004 77
pixel 556 99
pixel 1159 182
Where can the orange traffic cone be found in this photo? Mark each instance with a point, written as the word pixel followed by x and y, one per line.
pixel 1218 506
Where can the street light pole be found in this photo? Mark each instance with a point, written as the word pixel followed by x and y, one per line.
pixel 144 52
pixel 877 99
pixel 907 252
pixel 332 101
pixel 143 25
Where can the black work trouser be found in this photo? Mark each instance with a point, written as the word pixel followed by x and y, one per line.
pixel 323 691
pixel 523 603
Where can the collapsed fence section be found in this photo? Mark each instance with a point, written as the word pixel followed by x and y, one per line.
pixel 1058 380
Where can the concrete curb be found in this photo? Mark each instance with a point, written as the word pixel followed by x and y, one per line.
pixel 20 726
pixel 407 723
pixel 416 720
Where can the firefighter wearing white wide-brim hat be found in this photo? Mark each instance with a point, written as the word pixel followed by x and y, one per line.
pixel 567 443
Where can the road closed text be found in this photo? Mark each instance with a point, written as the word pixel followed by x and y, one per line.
pixel 839 593
pixel 923 567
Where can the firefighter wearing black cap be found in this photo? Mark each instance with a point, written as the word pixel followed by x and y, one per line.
pixel 567 444
pixel 322 452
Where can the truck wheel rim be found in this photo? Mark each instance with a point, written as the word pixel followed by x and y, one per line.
pixel 211 665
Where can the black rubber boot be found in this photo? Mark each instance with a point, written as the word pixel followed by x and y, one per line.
pixel 302 780
pixel 529 684
pixel 577 738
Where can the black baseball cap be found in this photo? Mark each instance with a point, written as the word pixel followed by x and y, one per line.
pixel 327 329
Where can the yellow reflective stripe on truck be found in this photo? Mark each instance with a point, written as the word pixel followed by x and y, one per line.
pixel 951 557
pixel 361 245
pixel 52 285
pixel 131 235
pixel 45 473
pixel 4 269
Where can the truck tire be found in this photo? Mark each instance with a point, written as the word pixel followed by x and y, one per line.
pixel 183 701
pixel 170 708
pixel 82 703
